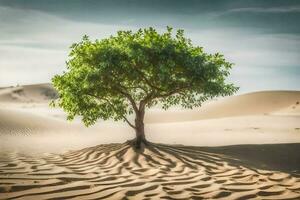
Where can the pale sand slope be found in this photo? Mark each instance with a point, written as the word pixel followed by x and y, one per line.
pixel 261 117
pixel 114 171
pixel 28 93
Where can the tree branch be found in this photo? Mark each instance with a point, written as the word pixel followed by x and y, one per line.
pixel 129 97
pixel 177 90
pixel 147 81
pixel 120 88
pixel 112 106
pixel 143 102
pixel 137 87
pixel 151 96
pixel 128 122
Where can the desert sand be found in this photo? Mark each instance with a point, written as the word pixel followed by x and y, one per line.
pixel 241 147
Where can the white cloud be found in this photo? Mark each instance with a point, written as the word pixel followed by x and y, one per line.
pixel 268 10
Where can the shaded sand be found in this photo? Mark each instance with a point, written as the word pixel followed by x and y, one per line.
pixel 279 157
pixel 116 171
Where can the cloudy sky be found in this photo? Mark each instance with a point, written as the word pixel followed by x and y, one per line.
pixel 262 38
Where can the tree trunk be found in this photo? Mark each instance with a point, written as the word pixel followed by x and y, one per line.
pixel 139 130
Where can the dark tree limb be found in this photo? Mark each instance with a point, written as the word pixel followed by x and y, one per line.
pixel 130 98
pixel 128 122
pixel 112 106
pixel 148 82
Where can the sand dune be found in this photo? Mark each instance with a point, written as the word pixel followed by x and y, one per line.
pixel 18 122
pixel 257 103
pixel 44 157
pixel 116 171
pixel 37 93
pixel 260 117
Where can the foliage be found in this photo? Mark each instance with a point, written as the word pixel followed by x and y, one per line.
pixel 123 74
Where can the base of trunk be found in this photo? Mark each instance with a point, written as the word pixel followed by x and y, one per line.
pixel 139 144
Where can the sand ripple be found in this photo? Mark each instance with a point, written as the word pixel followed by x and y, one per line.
pixel 116 171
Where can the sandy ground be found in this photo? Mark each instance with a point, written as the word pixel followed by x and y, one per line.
pixel 240 147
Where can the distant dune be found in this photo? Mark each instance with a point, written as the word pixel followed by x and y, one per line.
pixel 256 103
pixel 20 122
pixel 28 93
pixel 44 157
pixel 253 118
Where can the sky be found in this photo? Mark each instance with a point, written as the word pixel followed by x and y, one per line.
pixel 262 38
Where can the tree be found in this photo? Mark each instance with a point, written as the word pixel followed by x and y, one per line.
pixel 127 73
